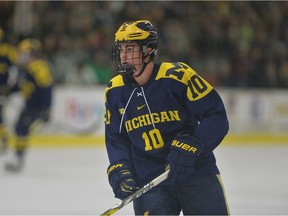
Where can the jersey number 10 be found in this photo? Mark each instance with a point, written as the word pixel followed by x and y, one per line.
pixel 153 140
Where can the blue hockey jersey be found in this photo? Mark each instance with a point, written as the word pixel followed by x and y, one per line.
pixel 141 121
pixel 35 85
pixel 8 56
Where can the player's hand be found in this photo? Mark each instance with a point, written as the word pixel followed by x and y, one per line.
pixel 122 181
pixel 181 159
pixel 128 186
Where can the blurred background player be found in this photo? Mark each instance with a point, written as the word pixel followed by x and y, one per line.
pixel 8 55
pixel 35 84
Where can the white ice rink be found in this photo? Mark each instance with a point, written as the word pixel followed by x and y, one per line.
pixel 72 181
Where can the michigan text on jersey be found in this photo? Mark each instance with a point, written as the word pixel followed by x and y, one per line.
pixel 147 119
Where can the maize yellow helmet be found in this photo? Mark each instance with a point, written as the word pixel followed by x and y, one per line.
pixel 30 45
pixel 28 49
pixel 131 31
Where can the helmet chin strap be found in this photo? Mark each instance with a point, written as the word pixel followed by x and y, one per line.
pixel 143 68
pixel 130 75
pixel 132 78
pixel 145 63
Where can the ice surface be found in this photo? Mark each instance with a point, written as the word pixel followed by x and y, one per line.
pixel 72 181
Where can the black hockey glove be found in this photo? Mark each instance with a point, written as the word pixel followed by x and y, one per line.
pixel 181 159
pixel 121 181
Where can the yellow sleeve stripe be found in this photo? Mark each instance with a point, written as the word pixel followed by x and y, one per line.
pixel 221 183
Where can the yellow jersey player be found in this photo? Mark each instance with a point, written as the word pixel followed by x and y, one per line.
pixel 35 85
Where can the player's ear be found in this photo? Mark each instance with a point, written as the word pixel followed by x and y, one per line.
pixel 147 53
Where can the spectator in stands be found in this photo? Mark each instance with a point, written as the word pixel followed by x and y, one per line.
pixel 205 30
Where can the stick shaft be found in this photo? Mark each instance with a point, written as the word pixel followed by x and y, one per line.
pixel 137 194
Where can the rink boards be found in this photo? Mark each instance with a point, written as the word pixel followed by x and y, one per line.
pixel 43 140
pixel 255 117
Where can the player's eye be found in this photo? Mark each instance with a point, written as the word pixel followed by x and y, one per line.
pixel 130 49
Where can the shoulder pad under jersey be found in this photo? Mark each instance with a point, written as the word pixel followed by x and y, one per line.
pixel 175 70
pixel 9 51
pixel 116 81
pixel 40 70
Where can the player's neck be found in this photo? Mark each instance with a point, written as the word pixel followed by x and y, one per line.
pixel 145 76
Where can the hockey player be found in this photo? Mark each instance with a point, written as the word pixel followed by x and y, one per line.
pixel 8 55
pixel 35 85
pixel 161 116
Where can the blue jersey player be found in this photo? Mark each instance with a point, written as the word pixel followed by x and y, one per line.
pixel 35 85
pixel 8 56
pixel 159 116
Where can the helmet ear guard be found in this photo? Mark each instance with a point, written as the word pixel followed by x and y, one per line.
pixel 152 53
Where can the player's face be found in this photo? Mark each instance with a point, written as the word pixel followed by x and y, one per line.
pixel 23 58
pixel 130 54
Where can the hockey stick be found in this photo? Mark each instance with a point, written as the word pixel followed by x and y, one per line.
pixel 137 194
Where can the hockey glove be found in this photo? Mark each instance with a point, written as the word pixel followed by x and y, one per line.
pixel 181 159
pixel 121 181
